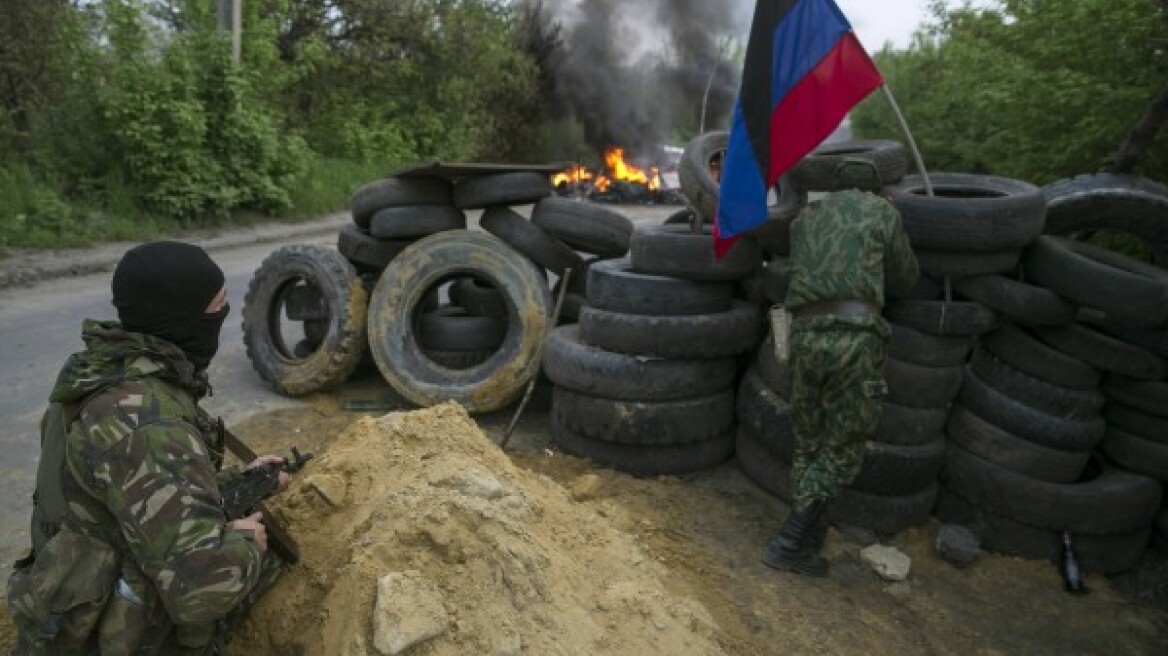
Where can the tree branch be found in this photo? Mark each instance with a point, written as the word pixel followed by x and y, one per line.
pixel 1141 134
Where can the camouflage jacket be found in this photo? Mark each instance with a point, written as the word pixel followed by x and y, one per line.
pixel 849 246
pixel 146 457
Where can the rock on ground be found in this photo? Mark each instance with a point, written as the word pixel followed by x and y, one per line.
pixel 889 562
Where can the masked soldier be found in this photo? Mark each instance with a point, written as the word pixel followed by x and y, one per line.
pixel 132 553
pixel 846 250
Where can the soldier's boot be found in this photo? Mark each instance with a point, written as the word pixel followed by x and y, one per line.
pixel 796 547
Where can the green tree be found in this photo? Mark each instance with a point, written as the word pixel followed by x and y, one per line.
pixel 1033 89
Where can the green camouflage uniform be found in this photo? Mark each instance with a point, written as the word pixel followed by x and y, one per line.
pixel 848 246
pixel 144 544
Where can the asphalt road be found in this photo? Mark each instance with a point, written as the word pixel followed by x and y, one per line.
pixel 40 326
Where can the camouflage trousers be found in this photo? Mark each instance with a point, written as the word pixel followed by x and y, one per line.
pixel 835 406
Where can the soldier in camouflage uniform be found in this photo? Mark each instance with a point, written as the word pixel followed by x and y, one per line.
pixel 132 553
pixel 846 250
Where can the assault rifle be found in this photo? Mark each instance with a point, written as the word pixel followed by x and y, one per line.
pixel 246 493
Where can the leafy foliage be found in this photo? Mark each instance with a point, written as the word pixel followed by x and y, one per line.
pixel 1032 89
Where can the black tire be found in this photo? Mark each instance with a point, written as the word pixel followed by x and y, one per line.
pixel 1147 395
pixel 926 289
pixel 675 251
pixel 1075 435
pixel 1126 289
pixel 693 172
pixel 1136 454
pixel 711 335
pixel 305 303
pixel 899 469
pixel 1108 201
pixel 816 171
pixel 1013 299
pixel 615 287
pixel 1104 352
pixel 416 221
pixel 1113 501
pixel 402 287
pixel 396 192
pixel 585 226
pixel 458 359
pixel 571 307
pixel 916 347
pixel 1107 554
pixel 570 363
pixel 765 415
pixel 968 213
pixel 887 515
pixel 1031 355
pixel 647 423
pixel 942 317
pixel 453 328
pixel 1035 392
pixel 530 240
pixel 962 265
pixel 920 386
pixel 983 439
pixel 478 298
pixel 979 213
pixel 365 251
pixel 909 426
pixel 342 345
pixel 518 188
pixel 1136 422
pixel 1155 339
pixel 644 460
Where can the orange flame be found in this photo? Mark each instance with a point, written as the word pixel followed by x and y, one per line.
pixel 618 169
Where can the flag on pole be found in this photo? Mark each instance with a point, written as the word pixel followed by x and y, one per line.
pixel 804 71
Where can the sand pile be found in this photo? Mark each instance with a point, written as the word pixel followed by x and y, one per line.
pixel 418 535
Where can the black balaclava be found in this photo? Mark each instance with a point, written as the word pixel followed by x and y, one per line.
pixel 163 289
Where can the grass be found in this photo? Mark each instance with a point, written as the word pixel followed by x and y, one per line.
pixel 34 214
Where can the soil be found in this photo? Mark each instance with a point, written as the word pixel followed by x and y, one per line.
pixel 574 559
pixel 534 552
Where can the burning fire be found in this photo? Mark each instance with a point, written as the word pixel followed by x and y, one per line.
pixel 617 169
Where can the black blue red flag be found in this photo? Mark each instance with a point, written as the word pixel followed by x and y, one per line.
pixel 804 71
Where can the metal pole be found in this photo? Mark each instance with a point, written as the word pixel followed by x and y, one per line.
pixel 912 144
pixel 236 30
pixel 538 358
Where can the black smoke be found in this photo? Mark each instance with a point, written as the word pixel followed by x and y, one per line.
pixel 634 73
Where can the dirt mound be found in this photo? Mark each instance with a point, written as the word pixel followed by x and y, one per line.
pixel 491 558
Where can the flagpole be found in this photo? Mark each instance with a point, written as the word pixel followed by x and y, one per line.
pixel 912 144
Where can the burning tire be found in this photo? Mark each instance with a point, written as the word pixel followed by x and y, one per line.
pixel 406 282
pixel 331 354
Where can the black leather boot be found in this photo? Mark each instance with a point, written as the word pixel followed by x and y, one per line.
pixel 796 547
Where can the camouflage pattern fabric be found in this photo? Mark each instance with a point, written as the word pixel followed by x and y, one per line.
pixel 850 246
pixel 143 455
pixel 835 406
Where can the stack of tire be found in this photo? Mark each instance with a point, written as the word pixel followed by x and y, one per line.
pixel 455 314
pixel 1020 466
pixel 645 382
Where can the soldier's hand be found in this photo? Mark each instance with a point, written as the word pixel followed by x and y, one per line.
pixel 284 478
pixel 255 523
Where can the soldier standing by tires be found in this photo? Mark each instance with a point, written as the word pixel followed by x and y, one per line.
pixel 846 251
pixel 132 552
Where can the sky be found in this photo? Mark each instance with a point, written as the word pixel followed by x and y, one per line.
pixel 878 21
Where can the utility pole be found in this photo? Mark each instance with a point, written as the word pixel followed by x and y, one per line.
pixel 230 13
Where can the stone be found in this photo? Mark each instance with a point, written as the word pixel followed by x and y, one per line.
pixel 889 562
pixel 472 483
pixel 408 610
pixel 585 488
pixel 957 545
